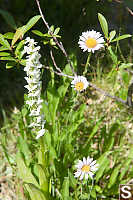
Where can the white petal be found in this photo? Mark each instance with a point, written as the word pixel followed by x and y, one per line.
pixel 84 161
pixel 93 163
pixel 91 174
pixel 89 160
pixel 77 174
pixel 81 176
pixel 86 176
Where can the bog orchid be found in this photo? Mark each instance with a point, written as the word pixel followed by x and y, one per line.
pixel 33 72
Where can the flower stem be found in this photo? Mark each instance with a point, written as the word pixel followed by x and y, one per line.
pixel 91 189
pixel 87 64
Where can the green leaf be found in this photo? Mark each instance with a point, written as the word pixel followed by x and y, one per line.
pixel 24 148
pixel 52 42
pixel 10 65
pixel 24 172
pixel 47 35
pixel 43 180
pixel 56 31
pixel 121 37
pixel 4 42
pixel 125 77
pixel 95 129
pixel 126 166
pixel 45 42
pixel 24 111
pixel 18 34
pixel 8 35
pixel 22 62
pixel 31 23
pixel 2 48
pixel 103 24
pixel 51 29
pixel 98 189
pixel 18 51
pixel 39 33
pixel 35 192
pixel 93 193
pixel 4 54
pixel 22 30
pixel 112 35
pixel 8 18
pixel 110 139
pixel 103 162
pixel 65 188
pixel 63 89
pixel 53 99
pixel 7 58
pixel 102 169
pixel 114 176
pixel 125 65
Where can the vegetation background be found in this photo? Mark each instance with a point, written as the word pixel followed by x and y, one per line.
pixel 108 116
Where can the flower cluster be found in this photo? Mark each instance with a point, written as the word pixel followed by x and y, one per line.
pixel 33 73
pixel 85 168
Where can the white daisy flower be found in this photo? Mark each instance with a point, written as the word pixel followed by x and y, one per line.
pixel 91 41
pixel 85 168
pixel 79 83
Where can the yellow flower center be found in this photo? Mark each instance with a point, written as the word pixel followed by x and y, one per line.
pixel 86 168
pixel 91 43
pixel 79 86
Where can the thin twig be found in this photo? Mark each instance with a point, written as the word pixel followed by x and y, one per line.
pixel 58 73
pixel 107 94
pixel 129 10
pixel 59 44
pixel 58 69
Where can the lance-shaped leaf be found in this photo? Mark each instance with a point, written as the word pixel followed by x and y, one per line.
pixel 2 48
pixel 24 172
pixel 4 42
pixel 104 24
pixel 22 30
pixel 18 34
pixel 10 65
pixel 65 188
pixel 122 37
pixel 7 58
pixel 18 52
pixel 112 35
pixel 39 33
pixel 35 193
pixel 31 23
pixel 114 176
pixel 43 180
pixel 4 54
pixel 8 35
